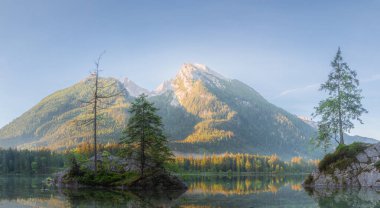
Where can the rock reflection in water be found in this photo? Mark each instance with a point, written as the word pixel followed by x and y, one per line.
pixel 352 197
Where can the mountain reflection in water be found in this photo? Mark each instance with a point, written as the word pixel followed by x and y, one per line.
pixel 204 192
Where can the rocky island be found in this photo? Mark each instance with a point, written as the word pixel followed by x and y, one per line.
pixel 117 173
pixel 144 155
pixel 355 165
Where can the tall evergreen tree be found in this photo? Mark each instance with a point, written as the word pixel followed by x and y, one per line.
pixel 144 138
pixel 343 105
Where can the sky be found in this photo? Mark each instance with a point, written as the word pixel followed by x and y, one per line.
pixel 280 48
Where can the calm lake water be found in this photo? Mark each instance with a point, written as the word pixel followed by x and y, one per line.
pixel 204 192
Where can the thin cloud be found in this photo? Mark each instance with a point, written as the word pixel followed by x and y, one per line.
pixel 373 78
pixel 299 90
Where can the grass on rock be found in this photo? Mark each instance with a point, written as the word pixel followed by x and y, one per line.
pixel 343 156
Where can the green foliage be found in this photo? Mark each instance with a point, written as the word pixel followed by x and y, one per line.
pixel 343 106
pixel 228 163
pixel 106 178
pixel 343 156
pixel 144 138
pixel 309 180
pixel 75 168
pixel 323 137
pixel 30 162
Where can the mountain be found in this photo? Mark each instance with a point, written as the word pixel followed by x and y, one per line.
pixel 133 89
pixel 203 112
pixel 226 115
pixel 53 121
pixel 348 139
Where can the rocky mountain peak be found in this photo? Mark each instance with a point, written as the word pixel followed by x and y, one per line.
pixel 190 73
pixel 163 87
pixel 133 89
pixel 197 71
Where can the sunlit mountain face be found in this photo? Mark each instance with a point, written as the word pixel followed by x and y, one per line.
pixel 203 112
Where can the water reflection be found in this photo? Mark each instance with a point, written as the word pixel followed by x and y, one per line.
pixel 258 191
pixel 242 185
pixel 353 197
pixel 204 192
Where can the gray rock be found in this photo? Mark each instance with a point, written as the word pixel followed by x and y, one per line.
pixel 371 152
pixel 363 165
pixel 361 173
pixel 361 157
pixel 374 159
pixel 377 146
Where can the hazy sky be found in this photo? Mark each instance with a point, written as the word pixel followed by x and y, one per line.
pixel 281 48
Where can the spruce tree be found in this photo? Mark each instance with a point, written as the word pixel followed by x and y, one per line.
pixel 343 105
pixel 143 137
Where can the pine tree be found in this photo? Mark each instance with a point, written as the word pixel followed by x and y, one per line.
pixel 343 106
pixel 143 137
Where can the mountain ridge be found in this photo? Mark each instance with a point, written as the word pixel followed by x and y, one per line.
pixel 203 112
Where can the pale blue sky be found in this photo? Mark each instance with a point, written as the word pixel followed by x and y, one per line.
pixel 280 48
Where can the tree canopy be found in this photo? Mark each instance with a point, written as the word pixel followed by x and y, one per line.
pixel 342 106
pixel 143 137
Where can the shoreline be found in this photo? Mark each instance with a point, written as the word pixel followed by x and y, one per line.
pixel 239 174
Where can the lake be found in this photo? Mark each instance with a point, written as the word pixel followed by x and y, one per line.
pixel 204 192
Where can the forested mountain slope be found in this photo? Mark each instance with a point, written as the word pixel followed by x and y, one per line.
pixel 53 122
pixel 203 112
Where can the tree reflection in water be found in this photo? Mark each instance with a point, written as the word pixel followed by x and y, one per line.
pixel 212 191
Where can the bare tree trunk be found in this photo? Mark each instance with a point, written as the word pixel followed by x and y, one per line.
pixel 95 118
pixel 96 103
pixel 341 141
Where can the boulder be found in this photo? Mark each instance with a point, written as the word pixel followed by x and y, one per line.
pixel 360 170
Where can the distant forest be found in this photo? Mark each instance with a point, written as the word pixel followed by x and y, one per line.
pixel 244 163
pixel 30 162
pixel 44 161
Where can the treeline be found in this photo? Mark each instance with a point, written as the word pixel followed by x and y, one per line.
pixel 13 161
pixel 243 163
pixel 228 162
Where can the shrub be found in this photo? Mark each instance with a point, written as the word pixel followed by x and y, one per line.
pixel 343 156
pixel 309 180
pixel 75 168
pixel 106 178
